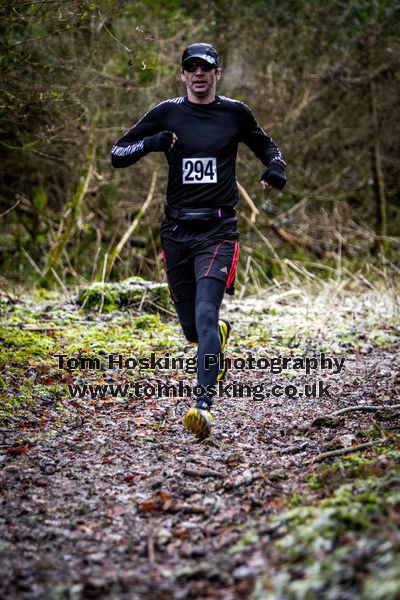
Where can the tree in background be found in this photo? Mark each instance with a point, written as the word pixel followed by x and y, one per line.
pixel 321 79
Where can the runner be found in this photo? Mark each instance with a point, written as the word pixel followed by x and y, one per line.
pixel 199 134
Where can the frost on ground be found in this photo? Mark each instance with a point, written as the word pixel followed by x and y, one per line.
pixel 294 496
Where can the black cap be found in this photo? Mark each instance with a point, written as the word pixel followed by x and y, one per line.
pixel 204 51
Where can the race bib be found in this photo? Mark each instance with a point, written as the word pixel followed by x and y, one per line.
pixel 199 170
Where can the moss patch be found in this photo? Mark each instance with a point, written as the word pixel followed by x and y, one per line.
pixel 42 327
pixel 135 291
pixel 342 542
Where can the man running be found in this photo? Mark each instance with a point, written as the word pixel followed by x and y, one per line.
pixel 199 134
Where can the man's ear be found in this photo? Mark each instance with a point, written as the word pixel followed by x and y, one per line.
pixel 218 73
pixel 182 74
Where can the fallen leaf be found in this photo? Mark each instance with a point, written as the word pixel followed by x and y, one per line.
pixel 156 504
pixel 162 501
pixel 42 482
pixel 24 424
pixel 183 533
pixel 17 450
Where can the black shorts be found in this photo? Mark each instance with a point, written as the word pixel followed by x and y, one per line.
pixel 193 251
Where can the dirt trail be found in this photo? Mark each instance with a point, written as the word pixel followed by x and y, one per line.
pixel 111 498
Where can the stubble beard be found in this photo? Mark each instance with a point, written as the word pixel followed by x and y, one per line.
pixel 204 90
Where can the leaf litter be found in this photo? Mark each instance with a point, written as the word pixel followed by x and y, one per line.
pixel 112 498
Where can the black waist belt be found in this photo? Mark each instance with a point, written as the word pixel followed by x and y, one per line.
pixel 199 214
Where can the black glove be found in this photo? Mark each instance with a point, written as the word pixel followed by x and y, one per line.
pixel 275 175
pixel 160 142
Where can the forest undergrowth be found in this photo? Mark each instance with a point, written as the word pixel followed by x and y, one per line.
pixel 295 495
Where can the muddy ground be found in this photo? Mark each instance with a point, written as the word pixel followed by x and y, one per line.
pixel 111 498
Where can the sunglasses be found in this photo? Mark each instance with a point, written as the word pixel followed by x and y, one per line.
pixel 192 65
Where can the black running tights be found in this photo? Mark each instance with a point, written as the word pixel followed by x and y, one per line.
pixel 199 321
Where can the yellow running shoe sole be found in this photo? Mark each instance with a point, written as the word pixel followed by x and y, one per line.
pixel 199 422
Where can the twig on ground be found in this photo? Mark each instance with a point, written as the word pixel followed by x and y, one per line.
pixel 367 408
pixel 295 449
pixel 349 450
pixel 202 473
pixel 32 328
pixel 158 307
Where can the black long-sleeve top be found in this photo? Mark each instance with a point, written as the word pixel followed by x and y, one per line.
pixel 202 169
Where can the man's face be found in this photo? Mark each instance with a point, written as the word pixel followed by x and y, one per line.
pixel 200 77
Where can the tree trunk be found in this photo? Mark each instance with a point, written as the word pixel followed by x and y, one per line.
pixel 381 243
pixel 378 179
pixel 72 212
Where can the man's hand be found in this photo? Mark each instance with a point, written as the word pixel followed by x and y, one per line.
pixel 265 185
pixel 161 142
pixel 274 176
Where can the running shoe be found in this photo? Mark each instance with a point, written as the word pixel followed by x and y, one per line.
pixel 224 331
pixel 199 420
